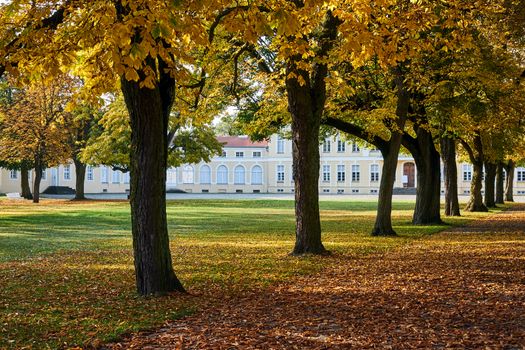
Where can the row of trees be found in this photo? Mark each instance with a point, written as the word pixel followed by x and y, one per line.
pixel 424 75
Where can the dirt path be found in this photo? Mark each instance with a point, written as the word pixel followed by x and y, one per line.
pixel 464 288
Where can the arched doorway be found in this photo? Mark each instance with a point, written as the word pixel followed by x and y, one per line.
pixel 409 175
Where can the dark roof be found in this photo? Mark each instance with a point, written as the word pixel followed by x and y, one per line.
pixel 241 141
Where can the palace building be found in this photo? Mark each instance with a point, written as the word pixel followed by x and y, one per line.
pixel 258 167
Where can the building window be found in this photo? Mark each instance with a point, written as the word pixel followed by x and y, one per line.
pixel 126 177
pixel 326 173
pixel 327 146
pixel 374 172
pixel 205 175
pixel 67 172
pixel 341 146
pixel 280 173
pixel 223 154
pixel 256 154
pixel 44 174
pixel 280 190
pixel 89 173
pixel 171 176
pixel 187 174
pixel 104 174
pixel 341 175
pixel 239 176
pixel 116 177
pixel 280 144
pixel 467 172
pixel 257 175
pixel 520 174
pixel 13 174
pixel 222 175
pixel 355 190
pixel 355 173
pixel 355 147
pixel 326 190
pixel 340 191
pixel 239 154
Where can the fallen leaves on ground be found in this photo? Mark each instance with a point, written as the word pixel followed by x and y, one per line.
pixel 463 288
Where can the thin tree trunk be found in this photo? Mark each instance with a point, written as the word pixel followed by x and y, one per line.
pixel 80 171
pixel 390 152
pixel 476 199
pixel 36 183
pixel 26 187
pixel 448 156
pixel 149 112
pixel 509 181
pixel 500 184
pixel 490 178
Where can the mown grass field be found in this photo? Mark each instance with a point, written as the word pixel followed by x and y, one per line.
pixel 66 268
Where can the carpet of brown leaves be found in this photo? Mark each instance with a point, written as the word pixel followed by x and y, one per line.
pixel 463 288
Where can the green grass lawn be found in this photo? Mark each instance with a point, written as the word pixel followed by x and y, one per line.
pixel 66 268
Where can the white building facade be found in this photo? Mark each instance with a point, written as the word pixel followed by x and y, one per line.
pixel 259 167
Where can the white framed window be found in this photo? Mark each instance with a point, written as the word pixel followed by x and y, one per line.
pixel 13 174
pixel 520 174
pixel 374 172
pixel 467 172
pixel 44 174
pixel 171 176
pixel 239 177
pixel 239 154
pixel 327 146
pixel 89 173
pixel 205 174
pixel 67 172
pixel 355 147
pixel 125 177
pixel 280 173
pixel 187 174
pixel 326 173
pixel 341 174
pixel 223 154
pixel 256 154
pixel 115 178
pixel 280 144
pixel 257 178
pixel 341 146
pixel 222 175
pixel 280 190
pixel 356 174
pixel 104 174
pixel 326 190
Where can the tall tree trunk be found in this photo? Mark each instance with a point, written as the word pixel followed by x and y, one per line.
pixel 149 111
pixel 448 156
pixel 306 101
pixel 490 178
pixel 509 181
pixel 390 152
pixel 500 184
pixel 80 171
pixel 38 179
pixel 428 195
pixel 476 199
pixel 26 187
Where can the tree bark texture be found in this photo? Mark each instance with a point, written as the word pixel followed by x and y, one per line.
pixel 509 181
pixel 428 193
pixel 149 111
pixel 490 178
pixel 306 92
pixel 476 157
pixel 26 187
pixel 448 157
pixel 500 184
pixel 390 152
pixel 80 171
pixel 38 179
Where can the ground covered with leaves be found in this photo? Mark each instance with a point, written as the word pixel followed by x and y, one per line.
pixel 462 288
pixel 66 271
